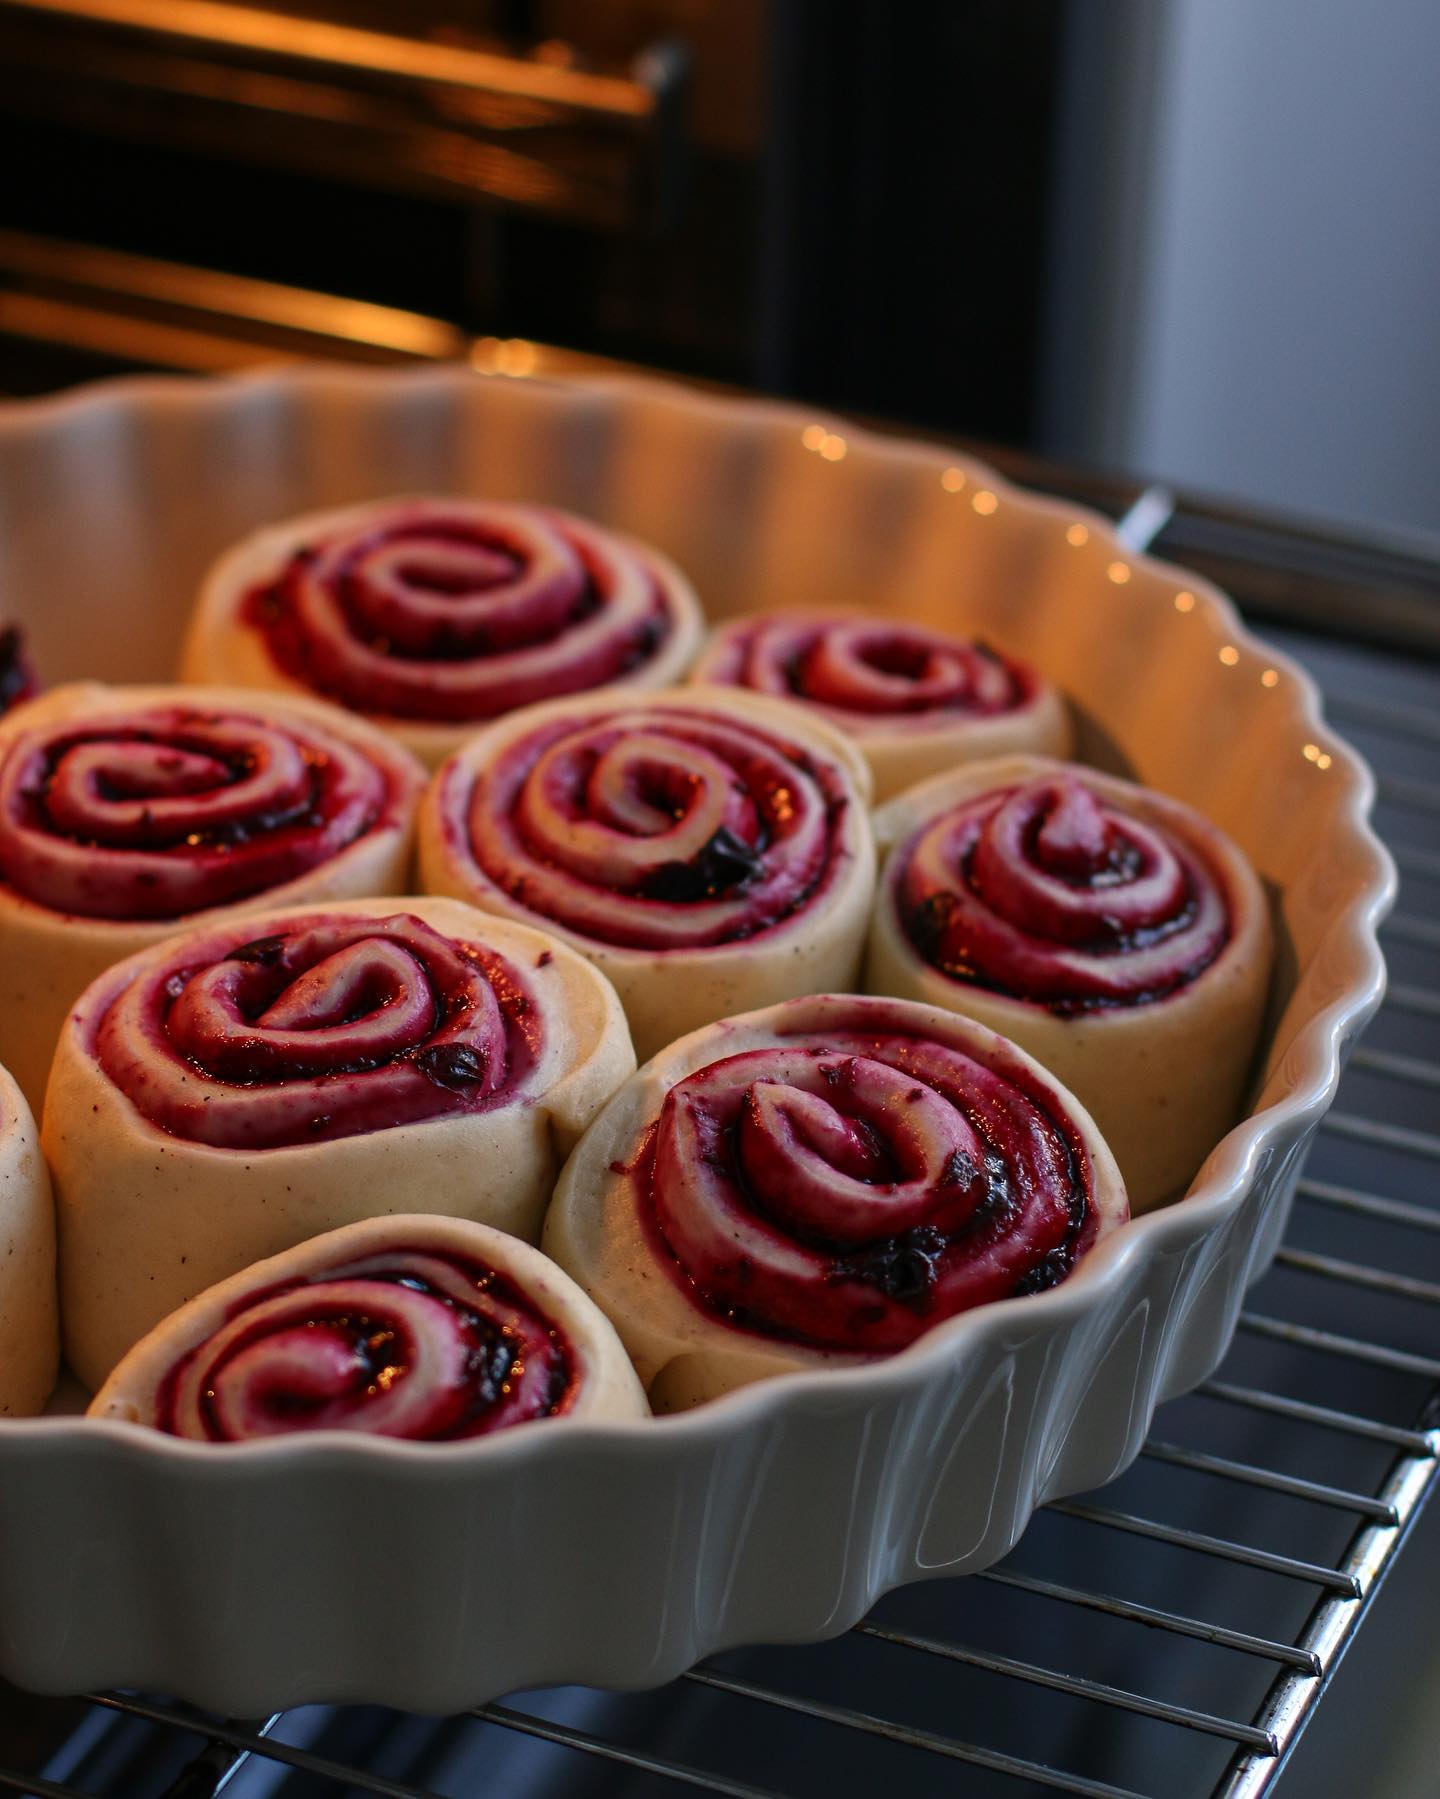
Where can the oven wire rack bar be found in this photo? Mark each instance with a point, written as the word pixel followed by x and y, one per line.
pixel 1295 1666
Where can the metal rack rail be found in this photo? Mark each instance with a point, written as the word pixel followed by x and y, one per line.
pixel 1169 1637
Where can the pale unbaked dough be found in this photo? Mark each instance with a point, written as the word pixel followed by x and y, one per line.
pixel 904 750
pixel 47 959
pixel 220 645
pixel 595 1231
pixel 29 1314
pixel 1164 1080
pixel 669 992
pixel 148 1219
pixel 607 1384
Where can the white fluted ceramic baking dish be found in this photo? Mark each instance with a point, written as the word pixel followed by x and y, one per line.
pixel 434 1577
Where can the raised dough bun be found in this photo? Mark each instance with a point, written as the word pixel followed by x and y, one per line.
pixel 148 1218
pixel 901 747
pixel 605 1381
pixel 49 958
pixel 220 644
pixel 596 1231
pixel 1163 1079
pixel 667 992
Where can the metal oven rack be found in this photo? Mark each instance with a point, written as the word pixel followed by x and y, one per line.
pixel 1171 1636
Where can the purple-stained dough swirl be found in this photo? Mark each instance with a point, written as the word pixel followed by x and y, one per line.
pixel 868 673
pixel 657 828
pixel 457 611
pixel 163 811
pixel 335 1026
pixel 1048 892
pixel 404 1343
pixel 852 1189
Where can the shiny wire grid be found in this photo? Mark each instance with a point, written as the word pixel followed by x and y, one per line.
pixel 1168 1637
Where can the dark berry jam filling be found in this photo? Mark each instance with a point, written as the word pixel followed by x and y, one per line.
pixel 458 612
pixel 406 1343
pixel 165 811
pixel 654 827
pixel 336 1026
pixel 851 1189
pixel 870 673
pixel 1051 893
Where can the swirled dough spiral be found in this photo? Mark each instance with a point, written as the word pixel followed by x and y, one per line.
pixel 234 1091
pixel 915 701
pixel 433 615
pixel 127 813
pixel 434 1330
pixel 1111 931
pixel 820 1182
pixel 709 850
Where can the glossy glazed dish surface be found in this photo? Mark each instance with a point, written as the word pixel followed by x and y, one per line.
pixel 634 1548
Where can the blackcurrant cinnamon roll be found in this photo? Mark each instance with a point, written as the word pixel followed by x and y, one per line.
pixel 709 850
pixel 129 813
pixel 234 1091
pixel 820 1182
pixel 916 701
pixel 1111 931
pixel 432 615
pixel 432 1330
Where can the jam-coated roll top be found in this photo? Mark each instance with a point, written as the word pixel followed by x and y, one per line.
pixel 868 672
pixel 851 1188
pixel 322 1028
pixel 1052 893
pixel 458 610
pixel 402 1343
pixel 659 827
pixel 162 810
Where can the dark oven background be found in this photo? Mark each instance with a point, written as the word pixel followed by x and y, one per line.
pixel 780 193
